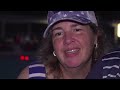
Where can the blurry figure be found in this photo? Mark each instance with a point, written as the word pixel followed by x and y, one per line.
pixel 17 47
pixel 18 39
pixel 26 44
pixel 108 67
pixel 35 42
pixel 27 38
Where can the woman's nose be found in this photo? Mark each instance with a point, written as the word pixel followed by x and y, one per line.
pixel 68 38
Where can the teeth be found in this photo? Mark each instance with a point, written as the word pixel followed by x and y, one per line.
pixel 72 51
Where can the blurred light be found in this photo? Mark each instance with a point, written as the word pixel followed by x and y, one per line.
pixel 22 58
pixel 26 58
pixel 118 30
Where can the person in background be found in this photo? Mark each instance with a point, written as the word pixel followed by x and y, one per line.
pixel 108 67
pixel 72 42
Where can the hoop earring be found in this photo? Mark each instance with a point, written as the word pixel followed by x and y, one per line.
pixel 54 53
pixel 96 46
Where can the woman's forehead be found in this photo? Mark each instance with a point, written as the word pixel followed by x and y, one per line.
pixel 68 23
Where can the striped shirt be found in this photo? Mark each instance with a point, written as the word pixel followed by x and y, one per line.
pixel 108 67
pixel 37 71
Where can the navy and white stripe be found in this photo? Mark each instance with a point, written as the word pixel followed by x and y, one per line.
pixel 111 68
pixel 37 71
pixel 108 67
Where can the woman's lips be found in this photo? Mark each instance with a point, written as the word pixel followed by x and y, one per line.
pixel 72 52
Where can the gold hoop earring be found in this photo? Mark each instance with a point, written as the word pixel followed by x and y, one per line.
pixel 54 53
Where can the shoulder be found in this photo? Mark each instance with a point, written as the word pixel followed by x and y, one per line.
pixel 24 73
pixel 110 60
pixel 107 67
pixel 33 71
pixel 114 53
pixel 40 71
pixel 111 65
pixel 112 57
pixel 37 71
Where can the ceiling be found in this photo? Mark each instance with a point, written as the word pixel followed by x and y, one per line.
pixel 23 16
pixel 105 14
pixel 108 16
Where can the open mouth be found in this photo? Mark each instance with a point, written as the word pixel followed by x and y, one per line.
pixel 72 51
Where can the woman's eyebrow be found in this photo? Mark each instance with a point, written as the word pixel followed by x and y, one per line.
pixel 57 28
pixel 74 25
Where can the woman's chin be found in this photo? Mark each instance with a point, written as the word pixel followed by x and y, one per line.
pixel 72 65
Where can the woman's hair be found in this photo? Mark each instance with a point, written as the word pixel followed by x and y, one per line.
pixel 45 53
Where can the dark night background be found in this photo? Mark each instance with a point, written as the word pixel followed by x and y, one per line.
pixel 32 24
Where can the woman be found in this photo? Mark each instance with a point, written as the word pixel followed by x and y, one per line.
pixel 71 44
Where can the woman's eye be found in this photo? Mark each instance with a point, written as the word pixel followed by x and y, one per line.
pixel 77 30
pixel 58 34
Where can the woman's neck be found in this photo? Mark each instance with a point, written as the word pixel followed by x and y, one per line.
pixel 76 73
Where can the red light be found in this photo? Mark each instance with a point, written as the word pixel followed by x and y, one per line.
pixel 26 58
pixel 22 58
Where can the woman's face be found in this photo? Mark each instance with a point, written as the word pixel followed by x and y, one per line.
pixel 73 43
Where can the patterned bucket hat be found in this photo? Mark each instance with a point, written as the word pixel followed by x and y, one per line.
pixel 84 17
